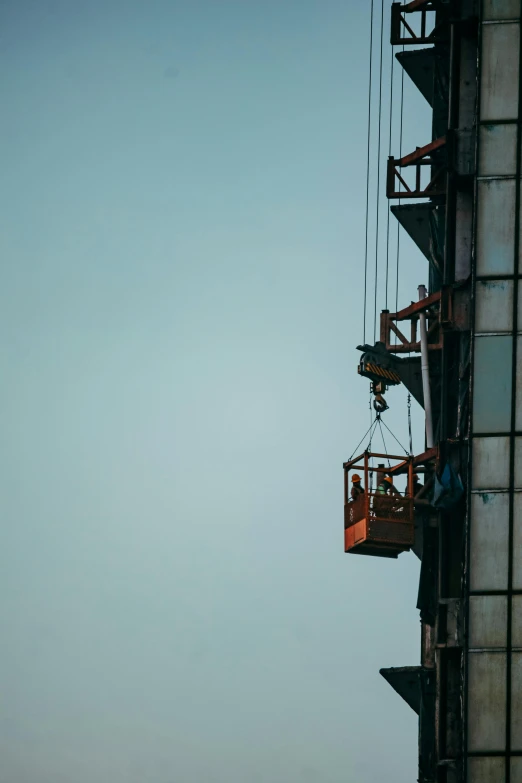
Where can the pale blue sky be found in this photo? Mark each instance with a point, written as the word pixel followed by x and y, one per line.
pixel 181 296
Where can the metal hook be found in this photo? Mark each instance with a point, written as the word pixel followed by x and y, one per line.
pixel 380 404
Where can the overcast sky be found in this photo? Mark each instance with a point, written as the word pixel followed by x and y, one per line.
pixel 181 295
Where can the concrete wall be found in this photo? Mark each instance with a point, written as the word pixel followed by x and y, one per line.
pixel 494 645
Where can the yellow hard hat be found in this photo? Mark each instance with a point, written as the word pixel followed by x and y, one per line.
pixel 355 478
pixel 388 479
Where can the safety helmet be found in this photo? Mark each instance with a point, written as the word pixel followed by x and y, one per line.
pixel 355 478
pixel 415 477
pixel 388 479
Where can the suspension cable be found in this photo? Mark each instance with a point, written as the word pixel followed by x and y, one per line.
pixel 398 223
pixel 368 173
pixel 388 206
pixel 378 183
pixel 372 433
pixel 384 443
pixel 369 447
pixel 393 436
pixel 372 426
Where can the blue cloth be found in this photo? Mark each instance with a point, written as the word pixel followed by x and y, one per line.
pixel 448 489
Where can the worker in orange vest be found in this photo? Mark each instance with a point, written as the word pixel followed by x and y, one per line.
pixel 357 488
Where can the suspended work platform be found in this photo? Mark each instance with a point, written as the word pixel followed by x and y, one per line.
pixel 380 521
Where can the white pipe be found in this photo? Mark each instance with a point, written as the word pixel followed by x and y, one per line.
pixel 425 371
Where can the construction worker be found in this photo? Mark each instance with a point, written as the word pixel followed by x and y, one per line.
pixel 357 489
pixel 417 486
pixel 384 505
pixel 386 487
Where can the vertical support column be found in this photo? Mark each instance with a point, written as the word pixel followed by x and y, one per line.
pixel 425 369
pixel 494 582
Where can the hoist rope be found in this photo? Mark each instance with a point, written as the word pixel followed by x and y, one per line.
pixel 368 173
pixel 398 223
pixel 378 183
pixel 389 154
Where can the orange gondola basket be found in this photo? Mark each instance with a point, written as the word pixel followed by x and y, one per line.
pixel 374 523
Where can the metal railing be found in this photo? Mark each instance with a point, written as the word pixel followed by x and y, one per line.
pixel 375 506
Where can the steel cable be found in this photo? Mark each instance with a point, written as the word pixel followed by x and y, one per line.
pixel 378 182
pixel 384 444
pixel 372 425
pixel 398 223
pixel 389 154
pixel 368 173
pixel 393 436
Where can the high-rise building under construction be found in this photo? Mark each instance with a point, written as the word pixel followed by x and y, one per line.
pixel 457 350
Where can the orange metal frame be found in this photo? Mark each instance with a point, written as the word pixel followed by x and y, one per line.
pixel 401 32
pixel 377 524
pixel 438 308
pixel 421 157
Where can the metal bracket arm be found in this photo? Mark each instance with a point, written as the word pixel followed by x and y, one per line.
pixel 421 157
pixel 402 33
pixel 437 307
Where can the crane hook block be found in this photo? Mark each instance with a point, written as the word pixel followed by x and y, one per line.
pixel 376 364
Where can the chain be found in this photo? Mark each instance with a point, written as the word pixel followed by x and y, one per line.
pixel 409 424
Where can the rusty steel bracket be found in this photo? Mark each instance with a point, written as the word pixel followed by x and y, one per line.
pixel 438 308
pixel 402 33
pixel 423 156
pixel 428 459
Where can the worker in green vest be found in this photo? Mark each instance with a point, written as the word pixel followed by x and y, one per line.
pixel 384 504
pixel 386 487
